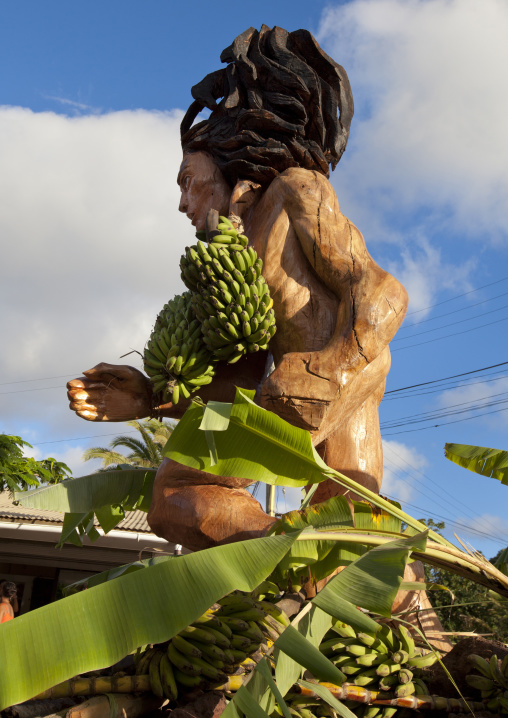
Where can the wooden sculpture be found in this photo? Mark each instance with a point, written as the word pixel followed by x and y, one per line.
pixel 280 115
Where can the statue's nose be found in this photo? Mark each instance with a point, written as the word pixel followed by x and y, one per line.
pixel 182 207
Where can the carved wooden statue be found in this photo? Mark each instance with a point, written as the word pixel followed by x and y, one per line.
pixel 280 116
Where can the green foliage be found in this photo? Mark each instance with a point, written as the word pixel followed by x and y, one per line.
pixel 145 452
pixel 469 606
pixel 480 459
pixel 19 472
pixel 105 496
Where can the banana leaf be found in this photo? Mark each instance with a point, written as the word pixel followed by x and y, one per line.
pixel 130 488
pixel 326 695
pixel 105 495
pixel 372 581
pixel 255 444
pixel 487 462
pixel 290 656
pixel 331 514
pixel 113 573
pixel 96 628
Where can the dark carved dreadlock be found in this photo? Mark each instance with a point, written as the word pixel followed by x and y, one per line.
pixel 280 98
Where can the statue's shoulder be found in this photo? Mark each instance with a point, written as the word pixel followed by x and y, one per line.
pixel 305 184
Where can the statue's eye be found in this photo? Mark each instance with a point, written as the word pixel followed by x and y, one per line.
pixel 185 182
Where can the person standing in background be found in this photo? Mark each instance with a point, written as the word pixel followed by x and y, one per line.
pixel 8 595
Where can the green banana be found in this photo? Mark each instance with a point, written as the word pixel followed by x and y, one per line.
pixel 199 634
pixel 185 647
pixel 428 659
pixel 405 675
pixel 212 674
pixel 404 689
pixel 182 662
pixel 154 673
pixel 406 640
pixel 400 656
pixel 168 681
pixel 187 681
pixel 372 659
pixel 144 661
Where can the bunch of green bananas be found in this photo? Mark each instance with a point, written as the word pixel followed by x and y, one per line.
pixel 388 661
pixel 493 681
pixel 175 357
pixel 230 295
pixel 229 639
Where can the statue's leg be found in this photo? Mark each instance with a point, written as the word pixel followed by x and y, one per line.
pixel 199 510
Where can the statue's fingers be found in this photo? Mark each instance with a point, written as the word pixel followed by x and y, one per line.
pixel 76 383
pixel 81 405
pixel 89 415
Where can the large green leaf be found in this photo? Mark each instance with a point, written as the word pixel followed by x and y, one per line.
pixel 326 695
pixel 331 514
pixel 257 445
pixel 297 647
pixel 112 573
pixel 487 462
pixel 96 628
pixel 106 494
pixel 372 581
pixel 312 627
pixel 130 488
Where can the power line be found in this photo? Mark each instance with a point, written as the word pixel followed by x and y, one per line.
pixel 454 311
pixel 448 336
pixel 446 378
pixel 447 518
pixel 458 296
pixel 23 391
pixel 439 488
pixel 453 385
pixel 444 411
pixel 44 378
pixel 81 438
pixel 445 423
pixel 445 326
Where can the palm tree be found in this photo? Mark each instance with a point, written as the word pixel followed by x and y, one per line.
pixel 145 452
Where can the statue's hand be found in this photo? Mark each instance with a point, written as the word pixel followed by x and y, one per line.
pixel 110 392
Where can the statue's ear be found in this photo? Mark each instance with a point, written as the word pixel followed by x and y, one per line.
pixel 244 194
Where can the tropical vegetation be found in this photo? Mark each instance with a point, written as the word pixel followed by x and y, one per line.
pixel 19 472
pixel 145 451
pixel 149 602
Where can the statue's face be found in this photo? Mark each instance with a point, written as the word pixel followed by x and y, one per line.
pixel 203 187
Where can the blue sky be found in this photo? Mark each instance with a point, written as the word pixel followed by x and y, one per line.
pixel 91 95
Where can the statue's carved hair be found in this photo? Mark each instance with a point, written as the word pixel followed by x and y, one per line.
pixel 285 103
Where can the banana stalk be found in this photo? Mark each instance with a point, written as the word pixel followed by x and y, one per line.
pixel 366 696
pixel 96 686
pixel 447 557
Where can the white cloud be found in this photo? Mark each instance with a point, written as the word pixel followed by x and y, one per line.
pixel 424 273
pixel 91 240
pixel 430 125
pixel 400 466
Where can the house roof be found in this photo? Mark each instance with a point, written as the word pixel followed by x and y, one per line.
pixel 133 521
